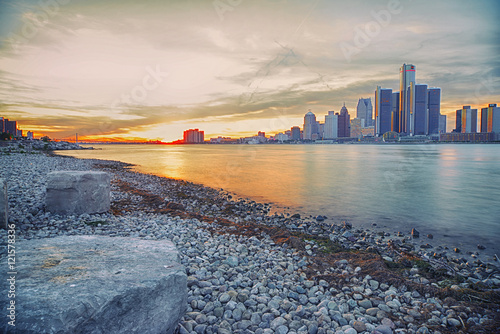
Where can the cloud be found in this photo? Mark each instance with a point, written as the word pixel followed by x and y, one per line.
pixel 262 60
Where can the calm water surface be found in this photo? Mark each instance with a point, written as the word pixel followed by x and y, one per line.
pixel 451 191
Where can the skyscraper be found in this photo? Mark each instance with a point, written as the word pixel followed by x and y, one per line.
pixel 469 120
pixel 364 111
pixel 434 106
pixel 490 119
pixel 331 127
pixel 310 126
pixel 395 112
pixel 344 123
pixel 406 77
pixel 419 113
pixel 458 121
pixel 383 110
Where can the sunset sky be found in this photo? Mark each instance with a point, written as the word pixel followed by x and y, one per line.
pixel 152 69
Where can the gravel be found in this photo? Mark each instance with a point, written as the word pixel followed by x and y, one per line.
pixel 250 284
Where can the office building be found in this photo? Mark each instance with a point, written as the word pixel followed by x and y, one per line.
pixel 10 127
pixel 331 127
pixel 406 78
pixel 364 111
pixel 418 110
pixel 442 124
pixel 194 136
pixel 344 123
pixel 458 121
pixel 490 119
pixel 474 137
pixel 295 133
pixel 434 106
pixel 395 112
pixel 310 126
pixel 383 110
pixel 468 120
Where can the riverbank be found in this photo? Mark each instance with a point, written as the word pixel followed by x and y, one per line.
pixel 252 272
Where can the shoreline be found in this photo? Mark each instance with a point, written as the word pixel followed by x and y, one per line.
pixel 318 252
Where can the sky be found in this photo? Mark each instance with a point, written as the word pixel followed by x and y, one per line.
pixel 123 69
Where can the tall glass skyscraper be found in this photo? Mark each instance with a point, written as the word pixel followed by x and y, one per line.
pixel 419 113
pixel 434 106
pixel 406 77
pixel 383 110
pixel 364 110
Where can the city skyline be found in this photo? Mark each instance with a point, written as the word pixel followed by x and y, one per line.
pixel 119 69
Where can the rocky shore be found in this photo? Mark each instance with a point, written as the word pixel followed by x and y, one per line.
pixel 250 271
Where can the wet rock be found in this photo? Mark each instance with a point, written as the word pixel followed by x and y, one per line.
pixel 414 233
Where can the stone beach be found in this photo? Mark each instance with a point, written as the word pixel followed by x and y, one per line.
pixel 250 271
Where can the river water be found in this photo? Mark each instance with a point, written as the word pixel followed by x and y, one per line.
pixel 451 191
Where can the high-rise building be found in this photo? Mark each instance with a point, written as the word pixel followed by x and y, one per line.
pixel 344 123
pixel 458 121
pixel 364 111
pixel 2 126
pixel 383 110
pixel 310 126
pixel 10 127
pixel 442 124
pixel 194 136
pixel 418 110
pixel 295 133
pixel 490 119
pixel 434 106
pixel 331 127
pixel 406 77
pixel 468 123
pixel 261 134
pixel 395 112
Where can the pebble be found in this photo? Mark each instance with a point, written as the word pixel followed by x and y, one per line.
pixel 238 284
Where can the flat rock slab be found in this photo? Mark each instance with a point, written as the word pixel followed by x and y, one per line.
pixel 97 284
pixel 78 192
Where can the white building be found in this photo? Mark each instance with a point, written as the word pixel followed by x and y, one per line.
pixel 331 127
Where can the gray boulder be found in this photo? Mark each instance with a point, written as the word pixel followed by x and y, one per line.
pixel 96 284
pixel 77 192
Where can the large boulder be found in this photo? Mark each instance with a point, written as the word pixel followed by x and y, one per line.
pixel 77 192
pixel 4 204
pixel 96 284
